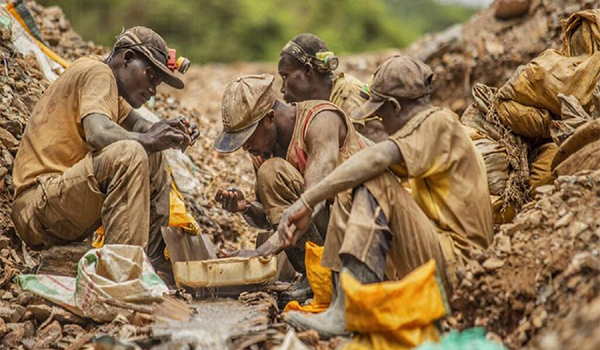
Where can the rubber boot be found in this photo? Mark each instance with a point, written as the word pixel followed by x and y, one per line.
pixel 332 322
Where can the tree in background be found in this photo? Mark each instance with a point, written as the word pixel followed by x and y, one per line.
pixel 251 30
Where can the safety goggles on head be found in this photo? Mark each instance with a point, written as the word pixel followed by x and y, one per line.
pixel 323 62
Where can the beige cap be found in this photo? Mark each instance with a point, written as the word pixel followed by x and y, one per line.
pixel 153 47
pixel 399 77
pixel 245 102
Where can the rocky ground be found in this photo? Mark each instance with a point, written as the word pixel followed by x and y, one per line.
pixel 537 286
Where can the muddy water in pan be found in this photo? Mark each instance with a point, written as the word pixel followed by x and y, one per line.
pixel 215 325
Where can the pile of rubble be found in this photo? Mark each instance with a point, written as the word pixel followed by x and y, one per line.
pixel 487 50
pixel 538 285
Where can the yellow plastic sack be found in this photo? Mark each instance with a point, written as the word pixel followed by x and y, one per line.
pixel 319 278
pixel 529 122
pixel 502 214
pixel 538 83
pixel 581 33
pixel 587 158
pixel 394 315
pixel 178 217
pixel 582 137
pixel 541 172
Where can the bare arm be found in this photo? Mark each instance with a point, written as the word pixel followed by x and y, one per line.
pixel 360 168
pixel 324 137
pixel 136 123
pixel 100 132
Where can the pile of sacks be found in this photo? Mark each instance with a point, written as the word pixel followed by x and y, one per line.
pixel 520 127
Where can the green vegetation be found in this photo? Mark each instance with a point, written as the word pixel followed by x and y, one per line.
pixel 256 30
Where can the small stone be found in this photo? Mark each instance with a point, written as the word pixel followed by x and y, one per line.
pixel 577 228
pixel 3 328
pixel 545 190
pixel 12 339
pixel 50 334
pixel 12 313
pixel 7 296
pixel 73 330
pixel 511 229
pixel 538 318
pixel 493 263
pixel 564 220
pixel 7 139
pixel 503 244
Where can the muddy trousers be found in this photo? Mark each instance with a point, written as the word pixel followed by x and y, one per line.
pixel 407 237
pixel 278 186
pixel 120 187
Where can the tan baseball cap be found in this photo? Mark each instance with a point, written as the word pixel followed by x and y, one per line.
pixel 153 47
pixel 399 77
pixel 245 102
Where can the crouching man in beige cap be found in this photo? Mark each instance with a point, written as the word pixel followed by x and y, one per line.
pixel 88 159
pixel 298 146
pixel 448 214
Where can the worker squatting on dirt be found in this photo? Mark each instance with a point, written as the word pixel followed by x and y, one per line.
pixel 87 158
pixel 448 214
pixel 306 68
pixel 300 144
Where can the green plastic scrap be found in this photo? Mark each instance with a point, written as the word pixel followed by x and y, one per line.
pixel 6 21
pixel 469 339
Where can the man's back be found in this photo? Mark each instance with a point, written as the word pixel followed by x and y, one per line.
pixel 448 176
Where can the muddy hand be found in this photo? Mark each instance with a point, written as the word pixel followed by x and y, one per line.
pixel 163 135
pixel 294 222
pixel 232 200
pixel 191 128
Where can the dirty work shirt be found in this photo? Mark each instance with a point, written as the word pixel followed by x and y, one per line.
pixel 345 94
pixel 54 140
pixel 448 178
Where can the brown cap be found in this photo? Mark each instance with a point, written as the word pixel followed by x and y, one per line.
pixel 245 102
pixel 153 47
pixel 399 77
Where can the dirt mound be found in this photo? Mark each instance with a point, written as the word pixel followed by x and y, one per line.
pixel 541 269
pixel 488 50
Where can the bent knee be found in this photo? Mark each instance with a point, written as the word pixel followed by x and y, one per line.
pixel 130 151
pixel 274 168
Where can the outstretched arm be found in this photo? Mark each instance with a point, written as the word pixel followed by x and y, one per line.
pixel 358 169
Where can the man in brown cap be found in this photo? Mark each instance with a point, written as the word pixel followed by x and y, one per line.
pixel 298 145
pixel 88 159
pixel 306 66
pixel 449 210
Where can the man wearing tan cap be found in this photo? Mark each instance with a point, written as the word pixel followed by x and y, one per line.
pixel 306 67
pixel 449 210
pixel 88 159
pixel 298 146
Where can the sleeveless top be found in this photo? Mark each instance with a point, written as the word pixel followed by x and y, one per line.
pixel 305 113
